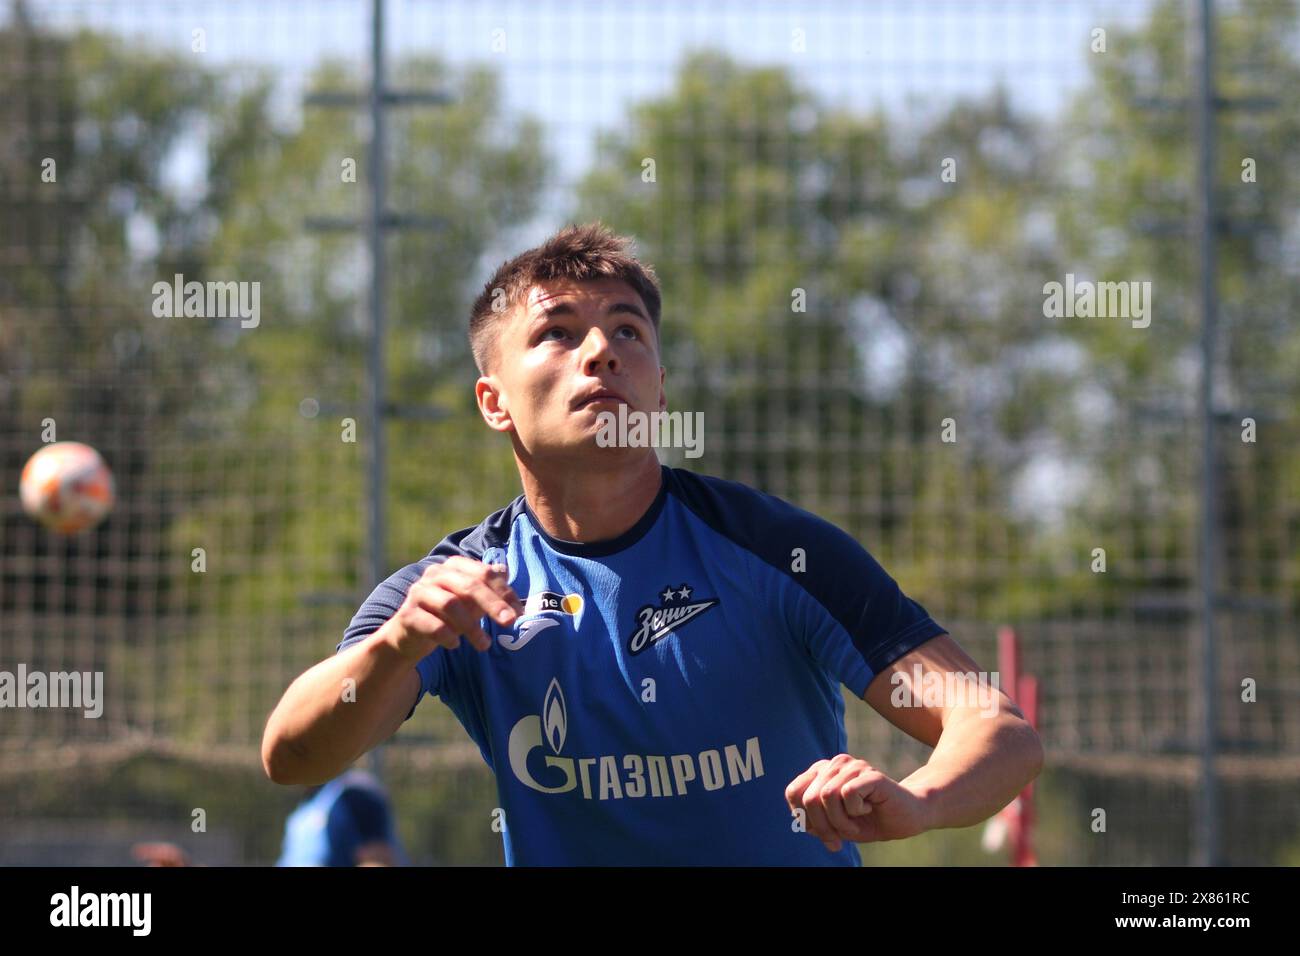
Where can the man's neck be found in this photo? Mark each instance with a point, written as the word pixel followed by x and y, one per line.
pixel 590 504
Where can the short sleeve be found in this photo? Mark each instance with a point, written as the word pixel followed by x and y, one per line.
pixel 834 599
pixel 379 607
pixel 847 611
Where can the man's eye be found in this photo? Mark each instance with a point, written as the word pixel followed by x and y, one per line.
pixel 633 329
pixel 554 328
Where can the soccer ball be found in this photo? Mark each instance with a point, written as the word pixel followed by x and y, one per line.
pixel 67 487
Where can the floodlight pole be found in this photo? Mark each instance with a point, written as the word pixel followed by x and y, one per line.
pixel 1206 831
pixel 375 234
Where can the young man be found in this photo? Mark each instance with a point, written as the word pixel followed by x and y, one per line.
pixel 652 658
pixel 345 822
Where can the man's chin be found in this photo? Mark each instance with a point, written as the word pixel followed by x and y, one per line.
pixel 584 448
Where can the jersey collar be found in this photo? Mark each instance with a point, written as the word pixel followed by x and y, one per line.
pixel 599 549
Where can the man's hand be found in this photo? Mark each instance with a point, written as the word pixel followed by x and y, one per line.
pixel 447 602
pixel 845 798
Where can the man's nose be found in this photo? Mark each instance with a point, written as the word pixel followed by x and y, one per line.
pixel 597 348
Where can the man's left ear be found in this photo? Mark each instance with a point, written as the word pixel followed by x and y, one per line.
pixel 663 396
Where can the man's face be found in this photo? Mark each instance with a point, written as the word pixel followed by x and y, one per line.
pixel 568 340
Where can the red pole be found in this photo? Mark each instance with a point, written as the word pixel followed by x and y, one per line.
pixel 1023 691
pixel 1022 846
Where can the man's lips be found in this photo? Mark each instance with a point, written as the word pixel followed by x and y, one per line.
pixel 602 396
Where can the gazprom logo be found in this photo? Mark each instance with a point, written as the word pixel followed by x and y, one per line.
pixel 557 716
pixel 526 736
pixel 615 776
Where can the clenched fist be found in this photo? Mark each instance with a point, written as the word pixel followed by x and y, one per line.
pixel 845 798
pixel 447 602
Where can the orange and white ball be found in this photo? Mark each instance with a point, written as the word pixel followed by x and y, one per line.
pixel 67 487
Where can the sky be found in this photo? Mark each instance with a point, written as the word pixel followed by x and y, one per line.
pixel 580 64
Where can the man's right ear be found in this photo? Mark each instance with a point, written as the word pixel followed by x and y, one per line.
pixel 492 404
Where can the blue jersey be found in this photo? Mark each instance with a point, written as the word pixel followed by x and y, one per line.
pixel 664 687
pixel 332 823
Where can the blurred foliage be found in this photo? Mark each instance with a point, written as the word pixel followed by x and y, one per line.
pixel 829 301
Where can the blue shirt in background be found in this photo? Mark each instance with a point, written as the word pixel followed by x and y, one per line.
pixel 335 820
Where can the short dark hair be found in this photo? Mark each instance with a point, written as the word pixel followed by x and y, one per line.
pixel 577 252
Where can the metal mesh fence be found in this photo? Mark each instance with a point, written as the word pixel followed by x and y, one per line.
pixel 855 212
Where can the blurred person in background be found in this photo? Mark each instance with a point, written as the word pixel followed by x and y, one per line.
pixel 345 822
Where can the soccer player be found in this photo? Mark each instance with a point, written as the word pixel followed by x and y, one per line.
pixel 345 822
pixel 649 659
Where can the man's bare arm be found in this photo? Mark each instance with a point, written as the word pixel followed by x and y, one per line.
pixel 323 723
pixel 984 754
pixel 984 751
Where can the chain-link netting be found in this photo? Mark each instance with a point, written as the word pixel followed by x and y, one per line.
pixel 856 211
